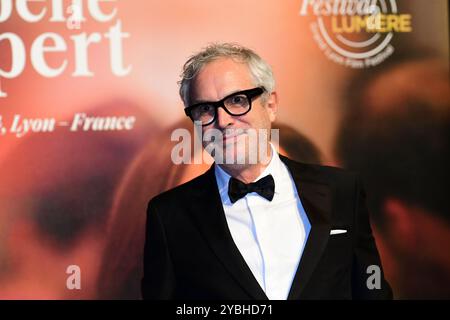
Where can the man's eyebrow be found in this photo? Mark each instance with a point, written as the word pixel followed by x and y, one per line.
pixel 210 101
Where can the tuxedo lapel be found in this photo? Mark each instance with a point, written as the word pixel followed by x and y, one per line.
pixel 316 197
pixel 207 211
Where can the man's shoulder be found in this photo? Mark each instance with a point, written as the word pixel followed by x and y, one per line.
pixel 181 192
pixel 321 173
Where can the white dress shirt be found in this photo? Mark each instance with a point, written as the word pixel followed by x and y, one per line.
pixel 270 235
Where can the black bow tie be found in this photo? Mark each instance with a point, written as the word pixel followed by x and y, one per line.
pixel 265 187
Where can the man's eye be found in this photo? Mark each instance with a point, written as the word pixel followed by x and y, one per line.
pixel 205 108
pixel 238 100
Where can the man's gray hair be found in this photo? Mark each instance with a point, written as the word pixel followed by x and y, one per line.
pixel 260 70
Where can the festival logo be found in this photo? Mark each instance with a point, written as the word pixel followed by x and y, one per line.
pixel 356 33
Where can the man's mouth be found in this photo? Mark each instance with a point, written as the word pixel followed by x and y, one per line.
pixel 232 137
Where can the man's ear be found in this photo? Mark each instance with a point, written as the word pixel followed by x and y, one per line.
pixel 272 105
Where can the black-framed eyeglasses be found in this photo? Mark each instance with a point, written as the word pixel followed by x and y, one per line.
pixel 235 104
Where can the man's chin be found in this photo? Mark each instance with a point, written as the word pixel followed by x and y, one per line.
pixel 229 155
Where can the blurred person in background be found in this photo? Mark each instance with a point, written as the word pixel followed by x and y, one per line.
pixel 395 133
pixel 56 191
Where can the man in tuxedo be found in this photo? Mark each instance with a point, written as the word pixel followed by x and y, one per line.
pixel 269 228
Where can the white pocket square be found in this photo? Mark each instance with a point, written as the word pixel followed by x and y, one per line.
pixel 337 231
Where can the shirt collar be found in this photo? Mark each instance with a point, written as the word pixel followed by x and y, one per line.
pixel 276 168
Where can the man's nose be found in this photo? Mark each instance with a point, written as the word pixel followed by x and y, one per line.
pixel 223 119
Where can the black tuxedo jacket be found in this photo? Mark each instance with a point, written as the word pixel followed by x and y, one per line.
pixel 190 254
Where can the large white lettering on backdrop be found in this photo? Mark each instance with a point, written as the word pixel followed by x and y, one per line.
pixel 55 11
